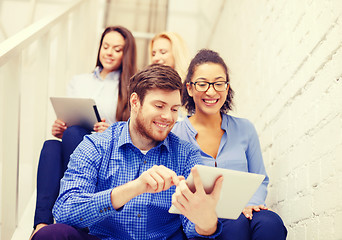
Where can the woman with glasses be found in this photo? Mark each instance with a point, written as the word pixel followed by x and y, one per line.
pixel 226 142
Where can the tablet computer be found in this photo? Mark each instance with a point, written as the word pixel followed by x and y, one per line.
pixel 76 111
pixel 237 189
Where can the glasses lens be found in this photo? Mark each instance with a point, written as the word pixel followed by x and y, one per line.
pixel 220 86
pixel 204 86
pixel 201 86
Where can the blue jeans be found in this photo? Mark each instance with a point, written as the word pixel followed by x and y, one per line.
pixel 53 162
pixel 265 225
pixel 60 231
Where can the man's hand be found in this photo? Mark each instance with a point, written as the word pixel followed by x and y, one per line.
pixel 154 180
pixel 58 128
pixel 248 211
pixel 157 179
pixel 198 207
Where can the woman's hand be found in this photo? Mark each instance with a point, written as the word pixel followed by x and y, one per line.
pixel 101 126
pixel 248 211
pixel 58 128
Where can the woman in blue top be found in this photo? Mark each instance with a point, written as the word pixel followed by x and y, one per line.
pixel 226 142
pixel 107 85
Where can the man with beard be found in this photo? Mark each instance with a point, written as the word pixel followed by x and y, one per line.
pixel 120 183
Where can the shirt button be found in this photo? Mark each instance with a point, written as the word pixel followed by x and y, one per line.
pixel 145 162
pixel 108 208
pixel 81 219
pixel 101 211
pixel 139 215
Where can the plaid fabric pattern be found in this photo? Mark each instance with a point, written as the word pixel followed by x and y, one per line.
pixel 106 160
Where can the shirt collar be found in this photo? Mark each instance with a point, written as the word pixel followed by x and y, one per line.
pixel 125 138
pixel 97 72
pixel 224 124
pixel 111 76
pixel 193 131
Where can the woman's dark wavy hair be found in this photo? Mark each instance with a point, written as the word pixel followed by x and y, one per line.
pixel 205 56
pixel 128 69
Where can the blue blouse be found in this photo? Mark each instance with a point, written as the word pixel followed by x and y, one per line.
pixel 239 149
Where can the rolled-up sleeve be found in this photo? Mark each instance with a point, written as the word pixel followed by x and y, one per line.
pixel 78 204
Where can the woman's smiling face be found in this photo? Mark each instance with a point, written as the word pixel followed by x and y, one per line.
pixel 210 101
pixel 162 52
pixel 111 52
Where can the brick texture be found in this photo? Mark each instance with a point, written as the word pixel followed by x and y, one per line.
pixel 285 60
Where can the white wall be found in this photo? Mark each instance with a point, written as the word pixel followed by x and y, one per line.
pixel 37 63
pixel 285 60
pixel 15 15
pixel 194 20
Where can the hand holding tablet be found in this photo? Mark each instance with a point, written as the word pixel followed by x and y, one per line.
pixel 237 189
pixel 76 111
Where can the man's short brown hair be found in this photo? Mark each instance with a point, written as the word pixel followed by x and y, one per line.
pixel 154 76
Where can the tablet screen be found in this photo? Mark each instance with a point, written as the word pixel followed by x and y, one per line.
pixel 237 189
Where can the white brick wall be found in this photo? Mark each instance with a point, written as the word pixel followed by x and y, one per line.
pixel 285 58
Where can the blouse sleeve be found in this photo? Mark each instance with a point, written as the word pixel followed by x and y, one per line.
pixel 256 165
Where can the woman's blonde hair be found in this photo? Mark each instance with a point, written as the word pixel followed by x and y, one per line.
pixel 180 51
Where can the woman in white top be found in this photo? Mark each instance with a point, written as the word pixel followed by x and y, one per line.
pixel 107 85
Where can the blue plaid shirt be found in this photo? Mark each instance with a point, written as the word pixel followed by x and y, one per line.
pixel 106 160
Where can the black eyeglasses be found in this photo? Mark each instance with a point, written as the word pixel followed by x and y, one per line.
pixel 202 86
